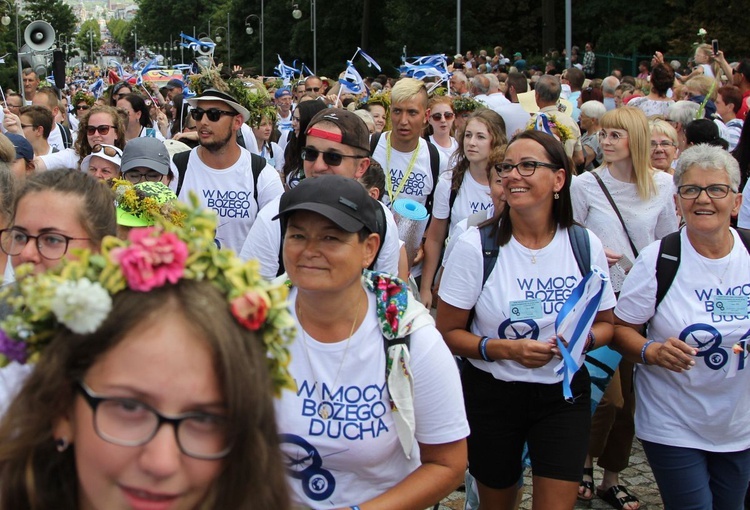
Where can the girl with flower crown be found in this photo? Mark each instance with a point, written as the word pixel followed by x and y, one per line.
pixel 155 367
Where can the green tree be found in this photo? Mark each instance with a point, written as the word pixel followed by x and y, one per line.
pixel 55 12
pixel 89 37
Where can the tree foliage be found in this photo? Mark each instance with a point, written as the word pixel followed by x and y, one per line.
pixel 85 42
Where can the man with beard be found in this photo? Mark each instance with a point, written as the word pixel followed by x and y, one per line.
pixel 226 177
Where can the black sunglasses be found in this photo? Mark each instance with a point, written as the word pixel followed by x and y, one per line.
pixel 83 107
pixel 103 129
pixel 213 114
pixel 312 89
pixel 330 158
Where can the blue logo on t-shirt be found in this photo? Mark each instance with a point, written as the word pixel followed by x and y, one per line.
pixel 304 463
pixel 515 330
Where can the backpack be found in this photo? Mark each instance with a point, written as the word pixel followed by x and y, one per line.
pixel 180 160
pixel 382 225
pixel 434 167
pixel 668 261
pixel 67 138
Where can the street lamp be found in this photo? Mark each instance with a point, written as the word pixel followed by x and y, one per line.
pixel 135 53
pixel 91 45
pixel 297 14
pixel 249 31
pixel 217 38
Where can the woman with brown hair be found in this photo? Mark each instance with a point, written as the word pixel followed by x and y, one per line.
pixel 102 125
pixel 463 191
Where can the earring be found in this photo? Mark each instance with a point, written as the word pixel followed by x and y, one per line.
pixel 557 195
pixel 61 444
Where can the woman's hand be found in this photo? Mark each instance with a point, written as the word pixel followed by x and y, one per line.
pixel 612 257
pixel 674 355
pixel 532 353
pixel 187 135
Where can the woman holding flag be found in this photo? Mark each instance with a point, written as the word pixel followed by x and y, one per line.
pixel 514 388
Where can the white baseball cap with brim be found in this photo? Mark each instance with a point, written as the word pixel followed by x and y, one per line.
pixel 107 152
pixel 528 102
pixel 217 95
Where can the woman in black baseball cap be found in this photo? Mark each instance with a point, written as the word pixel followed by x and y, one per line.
pixel 378 416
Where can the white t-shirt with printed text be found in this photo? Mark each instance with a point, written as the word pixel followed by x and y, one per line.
pixel 515 278
pixel 355 454
pixel 702 407
pixel 229 192
pixel 419 183
pixel 471 198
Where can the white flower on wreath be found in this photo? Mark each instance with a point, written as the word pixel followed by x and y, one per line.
pixel 81 305
pixel 702 32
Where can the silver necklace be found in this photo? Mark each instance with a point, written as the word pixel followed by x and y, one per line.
pixel 325 408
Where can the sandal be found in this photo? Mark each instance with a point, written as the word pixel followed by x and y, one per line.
pixel 610 496
pixel 586 485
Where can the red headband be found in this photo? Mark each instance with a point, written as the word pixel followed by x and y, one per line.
pixel 325 134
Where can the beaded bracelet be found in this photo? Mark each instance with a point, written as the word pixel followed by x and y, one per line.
pixel 643 351
pixel 483 349
pixel 591 343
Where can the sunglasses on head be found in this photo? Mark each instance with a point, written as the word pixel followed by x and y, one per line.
pixel 108 150
pixel 437 116
pixel 329 158
pixel 102 130
pixel 213 114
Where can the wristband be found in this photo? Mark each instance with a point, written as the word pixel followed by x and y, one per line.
pixel 643 351
pixel 355 507
pixel 591 343
pixel 483 349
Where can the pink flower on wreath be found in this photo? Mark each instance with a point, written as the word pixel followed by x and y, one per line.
pixel 250 309
pixel 153 258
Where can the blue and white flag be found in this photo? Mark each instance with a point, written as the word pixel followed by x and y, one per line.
pixel 97 87
pixel 120 70
pixel 352 81
pixel 370 61
pixel 193 43
pixel 284 71
pixel 574 322
pixel 146 68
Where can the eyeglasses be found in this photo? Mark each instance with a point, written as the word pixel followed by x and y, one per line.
pixel 51 246
pixel 614 137
pixel 312 89
pixel 83 107
pixel 135 176
pixel 525 168
pixel 692 192
pixel 129 422
pixel 664 144
pixel 102 130
pixel 13 105
pixel 447 115
pixel 213 114
pixel 108 150
pixel 329 158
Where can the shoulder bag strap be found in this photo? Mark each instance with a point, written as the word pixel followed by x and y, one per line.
pixel 617 211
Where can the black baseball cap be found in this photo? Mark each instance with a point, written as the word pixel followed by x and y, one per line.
pixel 354 132
pixel 342 200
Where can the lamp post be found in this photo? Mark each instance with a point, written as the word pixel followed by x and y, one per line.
pixel 297 14
pixel 217 38
pixel 249 31
pixel 5 20
pixel 135 53
pixel 91 46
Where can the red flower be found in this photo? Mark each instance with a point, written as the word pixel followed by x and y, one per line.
pixel 152 259
pixel 250 309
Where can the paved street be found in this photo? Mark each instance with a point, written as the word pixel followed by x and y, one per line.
pixel 637 477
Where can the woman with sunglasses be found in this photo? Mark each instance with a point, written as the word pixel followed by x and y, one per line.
pixel 82 103
pixel 118 91
pixel 102 126
pixel 693 407
pixel 628 204
pixel 160 395
pixel 439 127
pixel 504 326
pixel 463 191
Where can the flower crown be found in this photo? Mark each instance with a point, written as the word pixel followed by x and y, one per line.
pixel 466 104
pixel 77 294
pixel 135 201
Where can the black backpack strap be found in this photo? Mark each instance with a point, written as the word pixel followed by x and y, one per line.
pixel 257 164
pixel 241 139
pixel 67 138
pixel 667 263
pixel 180 160
pixel 490 250
pixel 374 139
pixel 744 237
pixel 451 200
pixel 382 225
pixel 581 244
pixel 435 169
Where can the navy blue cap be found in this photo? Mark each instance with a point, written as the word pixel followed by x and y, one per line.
pixel 23 146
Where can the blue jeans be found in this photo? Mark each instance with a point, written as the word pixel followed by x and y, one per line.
pixel 691 479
